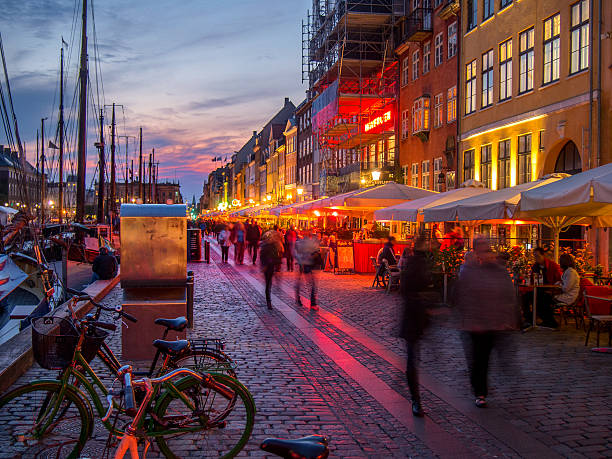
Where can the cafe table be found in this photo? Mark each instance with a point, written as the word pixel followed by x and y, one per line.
pixel 534 324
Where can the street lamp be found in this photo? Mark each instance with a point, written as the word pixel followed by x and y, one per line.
pixel 375 176
pixel 300 191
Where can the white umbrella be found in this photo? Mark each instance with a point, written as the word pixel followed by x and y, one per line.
pixel 496 205
pixel 412 211
pixel 582 198
pixel 5 212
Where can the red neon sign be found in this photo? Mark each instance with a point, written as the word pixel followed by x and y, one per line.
pixel 378 121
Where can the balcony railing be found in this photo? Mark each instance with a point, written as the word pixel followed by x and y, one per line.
pixel 418 25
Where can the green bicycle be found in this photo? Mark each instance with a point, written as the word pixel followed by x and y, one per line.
pixel 55 418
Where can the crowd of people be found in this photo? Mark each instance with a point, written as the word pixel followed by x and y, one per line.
pixel 270 245
pixel 484 297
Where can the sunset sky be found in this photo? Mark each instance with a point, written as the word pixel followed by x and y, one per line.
pixel 197 75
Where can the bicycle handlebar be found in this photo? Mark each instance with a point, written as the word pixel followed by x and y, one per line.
pixel 80 296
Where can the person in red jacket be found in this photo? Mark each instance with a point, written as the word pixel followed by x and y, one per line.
pixel 551 274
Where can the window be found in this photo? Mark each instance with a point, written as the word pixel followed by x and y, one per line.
pixel 426 57
pixel 405 71
pixel 405 174
pixel 524 158
pixel 487 9
pixel 487 78
pixel 470 87
pixel 526 61
pixel 451 104
pixel 503 164
pixel 485 165
pixel 425 175
pixel 438 109
pixel 472 14
pixel 437 3
pixel 414 175
pixel 439 49
pixel 505 70
pixel 504 3
pixel 579 37
pixel 420 115
pixel 552 47
pixel 452 39
pixel 468 165
pixel 437 163
pixel 415 65
pixel 405 123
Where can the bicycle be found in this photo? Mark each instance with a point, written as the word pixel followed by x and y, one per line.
pixel 310 447
pixel 61 418
pixel 204 355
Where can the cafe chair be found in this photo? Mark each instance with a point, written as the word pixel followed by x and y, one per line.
pixel 598 305
pixel 379 279
pixel 392 276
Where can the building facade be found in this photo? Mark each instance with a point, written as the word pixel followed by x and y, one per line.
pixel 531 90
pixel 427 52
pixel 19 181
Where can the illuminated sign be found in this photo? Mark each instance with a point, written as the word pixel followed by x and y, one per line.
pixel 235 202
pixel 382 119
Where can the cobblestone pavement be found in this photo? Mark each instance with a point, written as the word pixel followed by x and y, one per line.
pixel 339 372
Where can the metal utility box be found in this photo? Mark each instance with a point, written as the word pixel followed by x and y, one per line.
pixel 153 273
pixel 153 245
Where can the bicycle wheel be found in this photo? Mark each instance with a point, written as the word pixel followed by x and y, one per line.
pixel 33 426
pixel 207 435
pixel 205 361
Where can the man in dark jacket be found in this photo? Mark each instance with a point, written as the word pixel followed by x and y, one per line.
pixel 414 279
pixel 290 238
pixel 253 235
pixel 104 266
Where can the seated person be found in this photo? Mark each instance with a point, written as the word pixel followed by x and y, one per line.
pixel 551 273
pixel 570 281
pixel 104 266
pixel 386 253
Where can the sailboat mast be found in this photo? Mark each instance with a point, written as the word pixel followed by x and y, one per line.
pixel 82 142
pixel 42 171
pixel 61 141
pixel 140 170
pixel 132 179
pixel 101 166
pixel 111 209
pixel 150 165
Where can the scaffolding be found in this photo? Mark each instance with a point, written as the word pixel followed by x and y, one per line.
pixel 348 61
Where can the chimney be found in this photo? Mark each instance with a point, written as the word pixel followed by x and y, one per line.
pixel 254 133
pixel 286 101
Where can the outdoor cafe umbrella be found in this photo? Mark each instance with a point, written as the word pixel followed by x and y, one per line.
pixel 582 198
pixel 5 212
pixel 412 211
pixel 384 195
pixel 496 205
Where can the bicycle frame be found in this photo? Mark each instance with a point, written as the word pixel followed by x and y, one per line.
pixel 90 389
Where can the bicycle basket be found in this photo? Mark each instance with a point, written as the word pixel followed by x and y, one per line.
pixel 54 340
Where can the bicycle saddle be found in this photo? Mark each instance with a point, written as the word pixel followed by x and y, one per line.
pixel 171 347
pixel 177 324
pixel 311 447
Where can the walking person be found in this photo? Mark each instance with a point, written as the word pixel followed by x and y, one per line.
pixel 306 251
pixel 224 242
pixel 290 238
pixel 239 241
pixel 485 299
pixel 415 277
pixel 253 235
pixel 271 252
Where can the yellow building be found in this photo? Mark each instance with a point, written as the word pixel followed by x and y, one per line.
pixel 529 91
pixel 534 89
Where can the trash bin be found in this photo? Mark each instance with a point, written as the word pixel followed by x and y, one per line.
pixel 194 244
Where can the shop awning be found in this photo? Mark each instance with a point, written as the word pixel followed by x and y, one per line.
pixel 496 205
pixel 412 211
